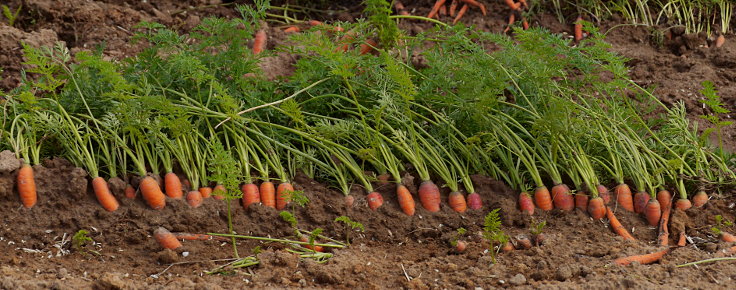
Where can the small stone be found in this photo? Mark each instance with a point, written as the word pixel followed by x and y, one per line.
pixel 61 273
pixel 518 280
pixel 563 273
pixel 478 288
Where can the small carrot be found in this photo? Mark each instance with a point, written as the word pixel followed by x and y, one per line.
pixel 524 243
pixel 476 4
pixel 186 185
pixel 474 201
pixel 561 197
pixel 700 199
pixel 259 42
pixel 366 48
pixel 453 8
pixel 315 248
pixel 283 194
pixel 579 29
pixel 603 193
pixel 130 192
pixel 507 247
pixel 206 191
pixel 268 194
pixel 664 232
pixel 525 203
pixel 194 198
pixel 581 200
pixel 375 200
pixel 623 197
pixel 683 240
pixel 152 194
pixel 617 227
pixel 653 212
pixel 102 192
pixel 166 239
pixel 720 40
pixel 382 178
pixel 542 198
pixel 640 201
pixel 172 185
pixel 642 259
pixel 665 199
pixel 512 18
pixel 524 23
pixel 596 208
pixel 345 41
pixel 457 202
pixel 250 194
pixel 683 204
pixel 219 192
pixel 435 8
pixel 292 29
pixel 406 201
pixel 460 246
pixel 27 186
pixel 728 238
pixel 460 13
pixel 429 196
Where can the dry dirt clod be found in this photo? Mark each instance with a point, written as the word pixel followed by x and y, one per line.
pixel 8 162
pixel 518 280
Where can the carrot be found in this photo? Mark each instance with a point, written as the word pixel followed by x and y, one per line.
pixel 460 13
pixel 27 186
pixel 345 40
pixel 443 10
pixel 542 198
pixel 366 48
pixel 219 192
pixel 259 42
pixel 152 194
pixel 172 184
pixel 453 8
pixel 617 227
pixel 205 191
pixel 292 29
pixel 525 203
pixel 581 200
pixel 665 199
pixel 130 192
pixel 683 204
pixel 406 201
pixel 474 201
pixel 283 193
pixel 562 198
pixel 653 212
pixel 250 194
pixel 456 200
pixel 314 22
pixel 700 199
pixel 383 178
pixel 186 184
pixel 579 28
pixel 603 193
pixel 513 5
pixel 683 240
pixel 524 243
pixel 728 238
pixel 664 232
pixel 194 198
pixel 720 40
pixel 596 208
pixel 460 246
pixel 268 194
pixel 476 4
pixel 623 197
pixel 166 239
pixel 315 248
pixel 512 18
pixel 349 201
pixel 429 196
pixel 640 201
pixel 375 200
pixel 524 23
pixel 507 247
pixel 642 259
pixel 102 192
pixel 435 8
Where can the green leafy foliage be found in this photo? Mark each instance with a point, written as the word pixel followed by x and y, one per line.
pixel 80 242
pixel 9 15
pixel 289 218
pixel 717 229
pixel 378 12
pixel 492 232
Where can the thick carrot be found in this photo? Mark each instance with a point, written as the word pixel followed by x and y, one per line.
pixel 268 194
pixel 166 239
pixel 596 208
pixel 219 192
pixel 283 194
pixel 476 4
pixel 664 232
pixel 456 200
pixel 579 28
pixel 623 197
pixel 259 42
pixel 460 13
pixel 102 192
pixel 130 192
pixel 653 212
pixel 562 198
pixel 665 199
pixel 194 198
pixel 581 200
pixel 542 198
pixel 429 196
pixel 375 200
pixel 700 199
pixel 728 238
pixel 525 203
pixel 683 204
pixel 250 194
pixel 640 201
pixel 720 40
pixel 152 194
pixel 603 193
pixel 617 227
pixel 292 29
pixel 474 201
pixel 367 48
pixel 435 8
pixel 27 186
pixel 205 191
pixel 172 185
pixel 642 259
pixel 406 201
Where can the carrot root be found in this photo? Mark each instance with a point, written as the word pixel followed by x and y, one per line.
pixel 27 186
pixel 542 198
pixel 474 201
pixel 251 194
pixel 683 204
pixel 581 201
pixel 623 197
pixel 103 194
pixel 561 197
pixel 457 202
pixel 283 193
pixel 640 201
pixel 653 212
pixel 406 201
pixel 525 203
pixel 194 198
pixel 172 185
pixel 596 208
pixel 429 196
pixel 617 227
pixel 268 194
pixel 375 200
pixel 700 199
pixel 152 194
pixel 642 259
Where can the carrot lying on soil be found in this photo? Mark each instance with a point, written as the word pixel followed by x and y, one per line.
pixel 292 29
pixel 152 194
pixel 475 202
pixel 542 198
pixel 366 48
pixel 562 198
pixel 642 259
pixel 507 247
pixel 205 191
pixel 460 246
pixel 623 197
pixel 259 42
pixel 429 196
pixel 640 201
pixel 617 227
pixel 664 232
pixel 250 194
pixel 596 208
pixel 728 238
pixel 653 212
pixel 375 200
pixel 130 192
pixel 524 243
pixel 103 194
pixel 166 239
pixel 315 248
pixel 283 194
pixel 268 194
pixel 700 199
pixel 525 203
pixel 435 8
pixel 194 198
pixel 172 185
pixel 27 186
pixel 406 201
pixel 456 200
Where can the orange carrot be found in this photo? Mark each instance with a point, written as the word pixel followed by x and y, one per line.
pixel 27 186
pixel 720 40
pixel 665 199
pixel 166 239
pixel 664 232
pixel 366 48
pixel 102 192
pixel 315 248
pixel 219 192
pixel 512 18
pixel 623 197
pixel 653 212
pixel 603 193
pixel 617 227
pixel 507 247
pixel 172 184
pixel 562 198
pixel 375 200
pixel 524 23
pixel 456 200
pixel 345 41
pixel 524 243
pixel 460 13
pixel 443 10
pixel 475 202
pixel 383 178
pixel 640 201
pixel 152 194
pixel 642 259
pixel 542 198
pixel 683 240
pixel 406 201
pixel 259 42
pixel 283 194
pixel 130 192
pixel 476 4
pixel 581 201
pixel 683 204
pixel 453 8
pixel 194 198
pixel 205 191
pixel 429 196
pixel 349 201
pixel 292 29
pixel 525 203
pixel 250 194
pixel 268 194
pixel 460 246
pixel 579 29
pixel 728 238
pixel 435 8
pixel 596 208
pixel 700 199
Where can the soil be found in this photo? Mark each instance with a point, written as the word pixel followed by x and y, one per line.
pixel 394 250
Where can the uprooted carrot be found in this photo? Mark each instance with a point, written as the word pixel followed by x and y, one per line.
pixel 429 196
pixel 259 42
pixel 726 237
pixel 460 246
pixel 194 198
pixel 152 194
pixel 460 13
pixel 578 29
pixel 375 200
pixel 166 239
pixel 27 186
pixel 292 29
pixel 315 248
pixel 406 201
pixel 103 194
pixel 617 227
pixel 172 185
pixel 453 8
pixel 366 48
pixel 642 259
pixel 603 193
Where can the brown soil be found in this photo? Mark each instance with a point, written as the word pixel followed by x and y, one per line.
pixel 395 250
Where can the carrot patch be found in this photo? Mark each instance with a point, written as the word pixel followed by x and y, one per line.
pixel 166 239
pixel 102 192
pixel 27 186
pixel 642 259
